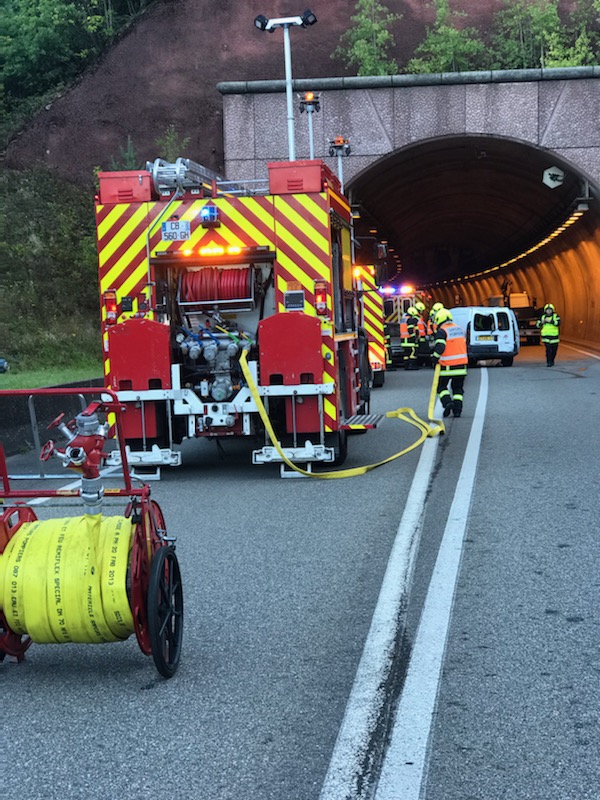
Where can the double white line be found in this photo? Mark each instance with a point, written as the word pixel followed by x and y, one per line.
pixel 405 759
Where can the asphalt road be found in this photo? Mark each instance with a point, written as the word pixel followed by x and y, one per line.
pixel 281 581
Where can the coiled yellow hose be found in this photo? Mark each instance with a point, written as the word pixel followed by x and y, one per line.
pixel 64 580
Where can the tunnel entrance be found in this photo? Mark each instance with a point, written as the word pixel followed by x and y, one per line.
pixel 456 206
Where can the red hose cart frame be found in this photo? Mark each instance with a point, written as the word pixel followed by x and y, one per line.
pixel 154 582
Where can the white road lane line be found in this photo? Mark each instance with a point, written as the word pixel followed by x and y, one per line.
pixel 405 761
pixel 579 350
pixel 67 487
pixel 369 692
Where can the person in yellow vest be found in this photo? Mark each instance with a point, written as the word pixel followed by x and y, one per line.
pixel 450 349
pixel 549 323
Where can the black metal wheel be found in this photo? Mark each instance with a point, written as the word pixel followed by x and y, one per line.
pixel 339 442
pixel 165 611
pixel 378 379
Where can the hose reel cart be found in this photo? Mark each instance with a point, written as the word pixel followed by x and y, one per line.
pixel 90 578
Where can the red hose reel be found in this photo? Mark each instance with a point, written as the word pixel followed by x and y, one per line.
pixel 209 283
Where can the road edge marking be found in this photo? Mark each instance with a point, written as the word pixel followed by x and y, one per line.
pixel 405 761
pixel 369 693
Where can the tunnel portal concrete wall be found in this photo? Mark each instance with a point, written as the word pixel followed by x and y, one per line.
pixel 555 109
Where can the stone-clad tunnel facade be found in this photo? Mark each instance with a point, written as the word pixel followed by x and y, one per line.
pixel 555 110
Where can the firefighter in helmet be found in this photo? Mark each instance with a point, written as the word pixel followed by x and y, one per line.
pixel 409 334
pixel 549 322
pixel 431 322
pixel 432 315
pixel 450 349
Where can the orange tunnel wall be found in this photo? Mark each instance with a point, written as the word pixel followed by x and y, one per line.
pixel 565 272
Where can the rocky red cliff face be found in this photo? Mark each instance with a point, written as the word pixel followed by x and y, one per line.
pixel 165 70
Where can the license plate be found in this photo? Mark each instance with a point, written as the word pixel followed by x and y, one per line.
pixel 485 338
pixel 176 230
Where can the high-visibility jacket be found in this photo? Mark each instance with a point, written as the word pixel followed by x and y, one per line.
pixel 409 332
pixel 550 328
pixel 451 349
pixel 422 329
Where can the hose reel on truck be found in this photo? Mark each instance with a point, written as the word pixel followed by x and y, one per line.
pixel 92 578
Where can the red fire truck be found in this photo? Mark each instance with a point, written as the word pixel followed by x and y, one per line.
pixel 194 271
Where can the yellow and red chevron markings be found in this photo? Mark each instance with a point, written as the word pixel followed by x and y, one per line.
pixel 373 319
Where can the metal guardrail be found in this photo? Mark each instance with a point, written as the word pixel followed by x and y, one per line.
pixel 35 433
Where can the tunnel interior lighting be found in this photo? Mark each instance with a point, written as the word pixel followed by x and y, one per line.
pixel 578 212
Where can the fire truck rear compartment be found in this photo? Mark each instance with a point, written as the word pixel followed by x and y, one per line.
pixel 233 270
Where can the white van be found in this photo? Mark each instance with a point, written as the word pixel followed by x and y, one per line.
pixel 491 332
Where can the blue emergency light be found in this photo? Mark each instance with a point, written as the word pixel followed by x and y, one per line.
pixel 209 214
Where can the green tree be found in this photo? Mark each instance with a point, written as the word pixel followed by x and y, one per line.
pixel 42 319
pixel 577 42
pixel 524 32
pixel 170 146
pixel 368 43
pixel 47 44
pixel 129 159
pixel 447 48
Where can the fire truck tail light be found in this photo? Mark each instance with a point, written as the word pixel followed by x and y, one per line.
pixel 217 250
pixel 110 304
pixel 321 298
pixel 211 250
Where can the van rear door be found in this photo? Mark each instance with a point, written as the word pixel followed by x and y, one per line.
pixel 505 332
pixel 493 329
pixel 483 331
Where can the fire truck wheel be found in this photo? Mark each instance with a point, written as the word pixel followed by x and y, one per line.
pixel 339 441
pixel 165 611
pixel 378 379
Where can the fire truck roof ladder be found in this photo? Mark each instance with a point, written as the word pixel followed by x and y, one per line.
pixel 183 175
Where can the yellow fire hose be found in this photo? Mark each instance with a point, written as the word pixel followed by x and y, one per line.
pixel 406 414
pixel 65 580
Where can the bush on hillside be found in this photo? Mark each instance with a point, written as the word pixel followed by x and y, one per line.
pixel 49 306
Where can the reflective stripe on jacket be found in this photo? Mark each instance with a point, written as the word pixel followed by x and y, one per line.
pixel 451 348
pixel 403 327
